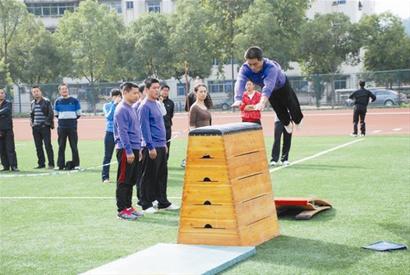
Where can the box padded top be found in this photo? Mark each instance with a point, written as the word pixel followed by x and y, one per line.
pixel 225 129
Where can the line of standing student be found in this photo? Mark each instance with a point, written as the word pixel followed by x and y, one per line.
pixel 140 138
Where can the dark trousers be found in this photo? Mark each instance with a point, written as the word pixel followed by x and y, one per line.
pixel 7 149
pixel 286 104
pixel 287 139
pixel 126 178
pixel 43 134
pixel 109 145
pixel 154 179
pixel 359 112
pixel 168 133
pixel 71 134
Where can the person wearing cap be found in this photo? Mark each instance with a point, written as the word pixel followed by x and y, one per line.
pixel 109 143
pixel 276 88
pixel 361 99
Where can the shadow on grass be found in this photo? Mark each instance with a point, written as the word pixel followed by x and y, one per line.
pixel 310 254
pixel 403 231
pixel 169 218
pixel 324 216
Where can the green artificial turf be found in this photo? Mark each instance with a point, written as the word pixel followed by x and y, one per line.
pixel 367 182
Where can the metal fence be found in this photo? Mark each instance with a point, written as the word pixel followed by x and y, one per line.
pixel 313 91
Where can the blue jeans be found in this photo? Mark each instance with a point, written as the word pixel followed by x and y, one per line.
pixel 108 150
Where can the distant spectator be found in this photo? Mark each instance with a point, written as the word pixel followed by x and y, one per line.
pixel 42 121
pixel 169 106
pixel 250 98
pixel 109 143
pixel 199 115
pixel 7 148
pixel 68 110
pixel 361 99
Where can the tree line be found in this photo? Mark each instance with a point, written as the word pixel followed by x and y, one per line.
pixel 94 43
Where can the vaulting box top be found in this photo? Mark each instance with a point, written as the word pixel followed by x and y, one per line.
pixel 225 129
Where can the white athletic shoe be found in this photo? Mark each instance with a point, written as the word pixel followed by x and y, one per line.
pixel 170 207
pixel 353 135
pixel 273 163
pixel 285 163
pixel 150 210
pixel 289 128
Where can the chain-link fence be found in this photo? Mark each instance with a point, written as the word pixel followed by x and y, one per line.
pixel 392 88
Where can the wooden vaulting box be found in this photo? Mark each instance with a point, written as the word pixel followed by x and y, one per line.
pixel 227 197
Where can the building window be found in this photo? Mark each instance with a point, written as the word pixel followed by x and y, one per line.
pixel 130 5
pixel 340 84
pixel 116 6
pixel 338 2
pixel 50 9
pixel 180 89
pixel 300 85
pixel 153 6
pixel 220 86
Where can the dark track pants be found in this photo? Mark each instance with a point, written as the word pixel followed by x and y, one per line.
pixel 154 179
pixel 287 139
pixel 359 112
pixel 71 134
pixel 7 149
pixel 43 134
pixel 286 104
pixel 109 146
pixel 126 178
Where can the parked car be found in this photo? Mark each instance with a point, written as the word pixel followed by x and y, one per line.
pixel 384 97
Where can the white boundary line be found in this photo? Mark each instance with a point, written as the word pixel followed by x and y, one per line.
pixel 178 198
pixel 317 155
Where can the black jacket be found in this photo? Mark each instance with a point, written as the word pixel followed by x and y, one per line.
pixel 169 106
pixel 361 97
pixel 6 122
pixel 47 109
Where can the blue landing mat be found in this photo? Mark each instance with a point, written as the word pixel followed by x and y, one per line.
pixel 177 259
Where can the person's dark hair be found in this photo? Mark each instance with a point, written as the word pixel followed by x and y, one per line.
pixel 164 86
pixel 149 81
pixel 61 85
pixel 35 87
pixel 208 100
pixel 115 92
pixel 362 83
pixel 127 86
pixel 254 52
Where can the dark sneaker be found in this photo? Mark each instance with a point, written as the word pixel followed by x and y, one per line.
pixel 15 169
pixel 135 212
pixel 5 169
pixel 126 215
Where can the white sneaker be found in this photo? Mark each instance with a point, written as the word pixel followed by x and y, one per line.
pixel 353 135
pixel 106 181
pixel 170 207
pixel 150 210
pixel 155 204
pixel 285 163
pixel 289 128
pixel 273 163
pixel 362 135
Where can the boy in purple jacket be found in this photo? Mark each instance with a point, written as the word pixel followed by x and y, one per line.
pixel 155 166
pixel 127 136
pixel 276 88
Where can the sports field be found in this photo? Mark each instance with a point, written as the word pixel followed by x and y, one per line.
pixel 65 223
